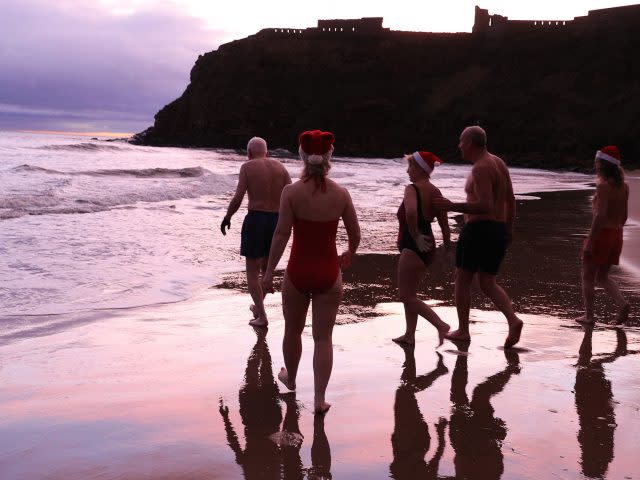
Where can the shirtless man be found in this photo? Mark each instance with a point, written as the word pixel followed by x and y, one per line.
pixel 264 179
pixel 489 213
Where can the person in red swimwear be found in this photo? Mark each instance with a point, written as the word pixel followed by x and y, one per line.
pixel 416 242
pixel 603 245
pixel 312 207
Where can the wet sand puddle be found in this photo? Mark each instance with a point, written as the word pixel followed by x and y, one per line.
pixel 189 391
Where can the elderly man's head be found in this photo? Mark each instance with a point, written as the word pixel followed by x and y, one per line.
pixel 473 140
pixel 257 148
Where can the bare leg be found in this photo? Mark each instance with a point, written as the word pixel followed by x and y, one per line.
pixel 255 289
pixel 411 269
pixel 503 303
pixel 463 305
pixel 324 310
pixel 263 266
pixel 294 309
pixel 611 287
pixel 588 291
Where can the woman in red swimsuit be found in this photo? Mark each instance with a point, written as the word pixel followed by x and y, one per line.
pixel 603 244
pixel 312 207
pixel 416 243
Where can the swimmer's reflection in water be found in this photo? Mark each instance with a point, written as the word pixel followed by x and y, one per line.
pixel 475 433
pixel 594 405
pixel 410 439
pixel 271 452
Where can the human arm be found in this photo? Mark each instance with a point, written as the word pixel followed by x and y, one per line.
pixel 232 437
pixel 443 221
pixel 350 219
pixel 626 204
pixel 511 208
pixel 236 201
pixel 280 238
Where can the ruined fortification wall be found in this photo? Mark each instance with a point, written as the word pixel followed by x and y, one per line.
pixel 617 17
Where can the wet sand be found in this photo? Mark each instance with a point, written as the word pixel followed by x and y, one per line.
pixel 188 390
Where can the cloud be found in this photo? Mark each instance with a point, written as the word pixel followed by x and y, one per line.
pixel 65 60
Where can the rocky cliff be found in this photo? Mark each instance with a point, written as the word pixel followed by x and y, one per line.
pixel 546 98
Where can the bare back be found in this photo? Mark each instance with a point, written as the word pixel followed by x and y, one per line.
pixel 611 203
pixel 428 191
pixel 308 202
pixel 489 181
pixel 265 178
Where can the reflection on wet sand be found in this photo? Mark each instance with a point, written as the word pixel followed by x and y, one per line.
pixel 271 452
pixel 594 404
pixel 475 434
pixel 410 439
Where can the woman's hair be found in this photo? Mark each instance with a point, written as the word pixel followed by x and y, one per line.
pixel 412 161
pixel 610 172
pixel 315 170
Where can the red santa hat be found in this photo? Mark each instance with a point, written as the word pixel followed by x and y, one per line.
pixel 316 143
pixel 426 160
pixel 609 154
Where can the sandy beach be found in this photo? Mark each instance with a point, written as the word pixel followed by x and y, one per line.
pixel 188 390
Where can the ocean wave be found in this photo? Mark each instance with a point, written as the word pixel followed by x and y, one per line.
pixel 90 192
pixel 82 147
pixel 187 172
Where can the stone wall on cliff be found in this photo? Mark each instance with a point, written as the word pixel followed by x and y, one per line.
pixel 546 98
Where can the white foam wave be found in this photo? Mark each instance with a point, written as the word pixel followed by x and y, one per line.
pixel 100 190
pixel 83 147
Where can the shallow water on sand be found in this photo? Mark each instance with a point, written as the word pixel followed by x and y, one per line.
pixel 189 391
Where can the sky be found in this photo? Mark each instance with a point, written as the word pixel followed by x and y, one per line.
pixel 110 65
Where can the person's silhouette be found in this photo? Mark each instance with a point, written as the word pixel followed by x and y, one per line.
pixel 475 433
pixel 320 451
pixel 410 439
pixel 594 405
pixel 261 414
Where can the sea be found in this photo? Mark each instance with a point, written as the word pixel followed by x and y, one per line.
pixel 92 224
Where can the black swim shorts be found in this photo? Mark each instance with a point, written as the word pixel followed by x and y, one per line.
pixel 482 246
pixel 257 231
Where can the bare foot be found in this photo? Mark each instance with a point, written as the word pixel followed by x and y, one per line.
pixel 283 376
pixel 442 332
pixel 405 339
pixel 320 408
pixel 254 311
pixel 259 322
pixel 585 320
pixel 457 336
pixel 623 314
pixel 514 334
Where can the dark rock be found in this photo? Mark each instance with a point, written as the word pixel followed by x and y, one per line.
pixel 548 98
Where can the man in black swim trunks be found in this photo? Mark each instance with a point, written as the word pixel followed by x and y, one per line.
pixel 263 179
pixel 489 213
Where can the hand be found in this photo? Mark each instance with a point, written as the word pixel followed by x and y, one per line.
pixel 224 410
pixel 441 203
pixel 226 223
pixel 345 260
pixel 267 283
pixel 424 243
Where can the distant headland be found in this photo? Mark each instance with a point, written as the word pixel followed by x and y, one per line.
pixel 549 92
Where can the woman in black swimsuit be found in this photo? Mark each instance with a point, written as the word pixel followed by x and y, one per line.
pixel 416 243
